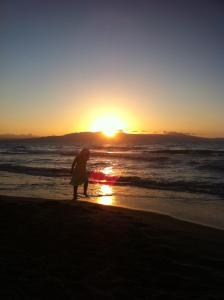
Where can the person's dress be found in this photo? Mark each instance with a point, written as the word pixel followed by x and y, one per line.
pixel 79 174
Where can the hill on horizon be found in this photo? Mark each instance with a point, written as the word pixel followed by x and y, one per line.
pixel 99 138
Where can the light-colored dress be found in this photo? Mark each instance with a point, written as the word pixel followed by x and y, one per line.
pixel 79 174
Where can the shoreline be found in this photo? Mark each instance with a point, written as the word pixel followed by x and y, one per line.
pixel 81 250
pixel 144 214
pixel 153 209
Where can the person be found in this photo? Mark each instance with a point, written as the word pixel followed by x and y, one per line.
pixel 79 172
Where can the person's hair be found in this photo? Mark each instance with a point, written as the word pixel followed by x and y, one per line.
pixel 84 153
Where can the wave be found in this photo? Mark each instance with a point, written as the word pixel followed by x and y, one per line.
pixel 135 181
pixel 217 166
pixel 130 153
pixel 38 152
pixel 178 185
pixel 189 151
pixel 35 171
pixel 119 148
pixel 131 156
pixel 119 155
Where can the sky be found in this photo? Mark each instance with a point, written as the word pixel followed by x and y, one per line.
pixel 156 65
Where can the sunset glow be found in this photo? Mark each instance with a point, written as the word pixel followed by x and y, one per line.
pixel 112 66
pixel 112 149
pixel 108 125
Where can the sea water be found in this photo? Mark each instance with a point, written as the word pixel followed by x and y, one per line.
pixel 184 180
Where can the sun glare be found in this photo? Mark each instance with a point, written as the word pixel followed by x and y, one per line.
pixel 107 195
pixel 109 132
pixel 108 125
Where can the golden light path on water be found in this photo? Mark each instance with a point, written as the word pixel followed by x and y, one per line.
pixel 108 170
pixel 106 190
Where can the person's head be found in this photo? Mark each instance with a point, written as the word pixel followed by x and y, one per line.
pixel 84 153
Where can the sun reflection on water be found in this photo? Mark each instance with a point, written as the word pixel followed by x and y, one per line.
pixel 108 170
pixel 107 197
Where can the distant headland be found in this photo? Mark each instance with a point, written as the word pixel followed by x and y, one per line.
pixel 98 138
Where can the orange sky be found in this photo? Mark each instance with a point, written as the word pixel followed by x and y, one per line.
pixel 138 63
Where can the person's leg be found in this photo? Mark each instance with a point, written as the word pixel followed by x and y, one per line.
pixel 75 192
pixel 86 188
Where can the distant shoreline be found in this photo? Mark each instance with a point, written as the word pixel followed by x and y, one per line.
pixel 121 137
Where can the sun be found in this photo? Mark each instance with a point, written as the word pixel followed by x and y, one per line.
pixel 109 132
pixel 108 125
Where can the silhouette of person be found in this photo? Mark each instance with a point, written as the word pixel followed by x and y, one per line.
pixel 79 172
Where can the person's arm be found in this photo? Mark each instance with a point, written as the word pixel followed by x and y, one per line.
pixel 73 165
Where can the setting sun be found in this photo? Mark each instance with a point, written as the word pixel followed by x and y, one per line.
pixel 108 125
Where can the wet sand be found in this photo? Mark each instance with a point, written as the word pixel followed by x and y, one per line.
pixel 79 250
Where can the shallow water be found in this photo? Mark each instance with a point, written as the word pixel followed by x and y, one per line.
pixel 182 180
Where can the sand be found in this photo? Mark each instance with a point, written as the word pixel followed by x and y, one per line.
pixel 79 250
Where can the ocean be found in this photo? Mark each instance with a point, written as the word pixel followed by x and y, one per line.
pixel 183 180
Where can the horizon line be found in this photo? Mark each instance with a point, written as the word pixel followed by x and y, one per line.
pixel 143 132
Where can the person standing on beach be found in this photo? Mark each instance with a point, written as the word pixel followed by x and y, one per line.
pixel 79 172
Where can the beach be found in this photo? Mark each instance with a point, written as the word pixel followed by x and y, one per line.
pixel 78 250
pixel 183 180
pixel 112 150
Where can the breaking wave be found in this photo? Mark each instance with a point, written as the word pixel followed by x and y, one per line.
pixel 99 177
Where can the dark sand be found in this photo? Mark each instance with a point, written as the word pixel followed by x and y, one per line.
pixel 65 250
